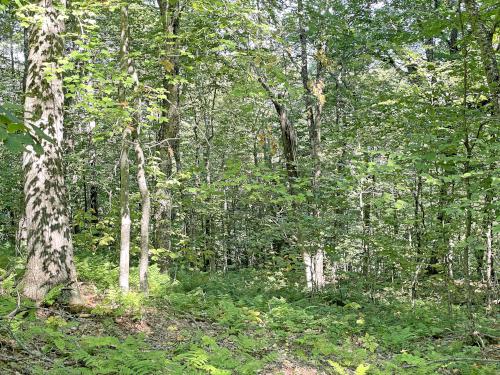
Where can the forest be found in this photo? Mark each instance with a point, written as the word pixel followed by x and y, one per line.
pixel 242 187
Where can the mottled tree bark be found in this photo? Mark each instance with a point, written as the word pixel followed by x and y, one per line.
pixel 49 243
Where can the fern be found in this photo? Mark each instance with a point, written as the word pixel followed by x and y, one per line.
pixel 338 368
pixel 96 342
pixel 198 358
pixel 52 295
pixel 362 369
pixel 89 360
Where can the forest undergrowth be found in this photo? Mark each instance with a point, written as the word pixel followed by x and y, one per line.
pixel 246 322
pixel 249 187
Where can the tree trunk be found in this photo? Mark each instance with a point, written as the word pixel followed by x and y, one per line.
pixel 417 234
pixel 484 38
pixel 126 222
pixel 468 231
pixel 313 113
pixel 468 146
pixel 92 166
pixel 168 134
pixel 145 217
pixel 49 244
pixel 170 13
pixel 288 135
pixel 133 131
pixel 124 157
pixel 489 263
pixel 365 210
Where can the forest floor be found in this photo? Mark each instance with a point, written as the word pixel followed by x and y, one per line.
pixel 250 322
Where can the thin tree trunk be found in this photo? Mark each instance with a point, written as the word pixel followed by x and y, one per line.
pixel 133 131
pixel 26 48
pixel 365 209
pixel 170 13
pixel 488 230
pixel 49 244
pixel 92 165
pixel 313 113
pixel 168 134
pixel 489 263
pixel 288 135
pixel 124 160
pixel 468 230
pixel 417 235
pixel 126 222
pixel 468 189
pixel 145 217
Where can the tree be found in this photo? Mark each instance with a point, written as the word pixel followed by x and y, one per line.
pixel 484 34
pixel 131 134
pixel 50 248
pixel 314 102
pixel 169 129
pixel 126 222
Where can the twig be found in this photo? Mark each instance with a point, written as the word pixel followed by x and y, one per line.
pixel 18 307
pixel 6 357
pixel 23 346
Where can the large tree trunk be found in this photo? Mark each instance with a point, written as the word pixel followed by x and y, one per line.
pixel 50 248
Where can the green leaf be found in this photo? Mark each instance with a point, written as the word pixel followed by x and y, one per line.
pixel 15 144
pixel 362 369
pixel 15 127
pixel 60 344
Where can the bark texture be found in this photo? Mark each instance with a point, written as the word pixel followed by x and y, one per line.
pixel 49 243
